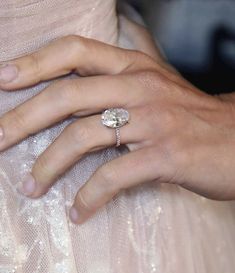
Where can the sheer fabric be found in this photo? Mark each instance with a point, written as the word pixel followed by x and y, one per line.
pixel 150 228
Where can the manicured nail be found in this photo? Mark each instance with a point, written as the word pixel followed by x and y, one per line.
pixel 28 186
pixel 8 73
pixel 1 134
pixel 74 215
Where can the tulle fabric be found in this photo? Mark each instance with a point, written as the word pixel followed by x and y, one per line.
pixel 150 228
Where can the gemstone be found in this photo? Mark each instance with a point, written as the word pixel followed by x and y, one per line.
pixel 115 117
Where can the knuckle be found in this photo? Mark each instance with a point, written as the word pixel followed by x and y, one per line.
pixel 142 58
pixel 147 75
pixel 150 112
pixel 135 60
pixel 68 90
pixel 18 121
pixel 154 82
pixel 108 177
pixel 75 42
pixel 164 119
pixel 42 168
pixel 79 135
pixel 65 91
pixel 35 64
pixel 83 203
pixel 71 38
pixel 148 78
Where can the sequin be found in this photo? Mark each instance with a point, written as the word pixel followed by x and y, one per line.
pixel 146 229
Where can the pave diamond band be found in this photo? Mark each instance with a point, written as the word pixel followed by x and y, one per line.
pixel 118 137
pixel 115 118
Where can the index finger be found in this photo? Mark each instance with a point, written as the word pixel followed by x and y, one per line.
pixel 71 53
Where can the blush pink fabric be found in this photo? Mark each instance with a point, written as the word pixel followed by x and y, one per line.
pixel 148 229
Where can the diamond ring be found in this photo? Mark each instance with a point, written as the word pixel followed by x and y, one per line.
pixel 115 118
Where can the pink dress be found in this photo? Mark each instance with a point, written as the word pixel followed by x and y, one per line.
pixel 147 229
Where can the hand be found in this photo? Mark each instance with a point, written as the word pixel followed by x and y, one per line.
pixel 177 134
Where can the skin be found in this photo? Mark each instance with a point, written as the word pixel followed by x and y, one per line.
pixel 177 134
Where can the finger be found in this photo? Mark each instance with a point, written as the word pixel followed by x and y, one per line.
pixel 81 137
pixel 65 55
pixel 60 100
pixel 121 173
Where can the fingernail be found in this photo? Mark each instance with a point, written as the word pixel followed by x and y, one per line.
pixel 1 134
pixel 28 185
pixel 8 73
pixel 74 215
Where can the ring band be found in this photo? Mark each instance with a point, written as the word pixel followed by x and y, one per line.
pixel 118 137
pixel 115 118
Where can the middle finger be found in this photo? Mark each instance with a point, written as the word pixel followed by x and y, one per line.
pixel 62 99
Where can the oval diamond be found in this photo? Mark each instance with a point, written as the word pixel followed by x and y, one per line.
pixel 115 117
